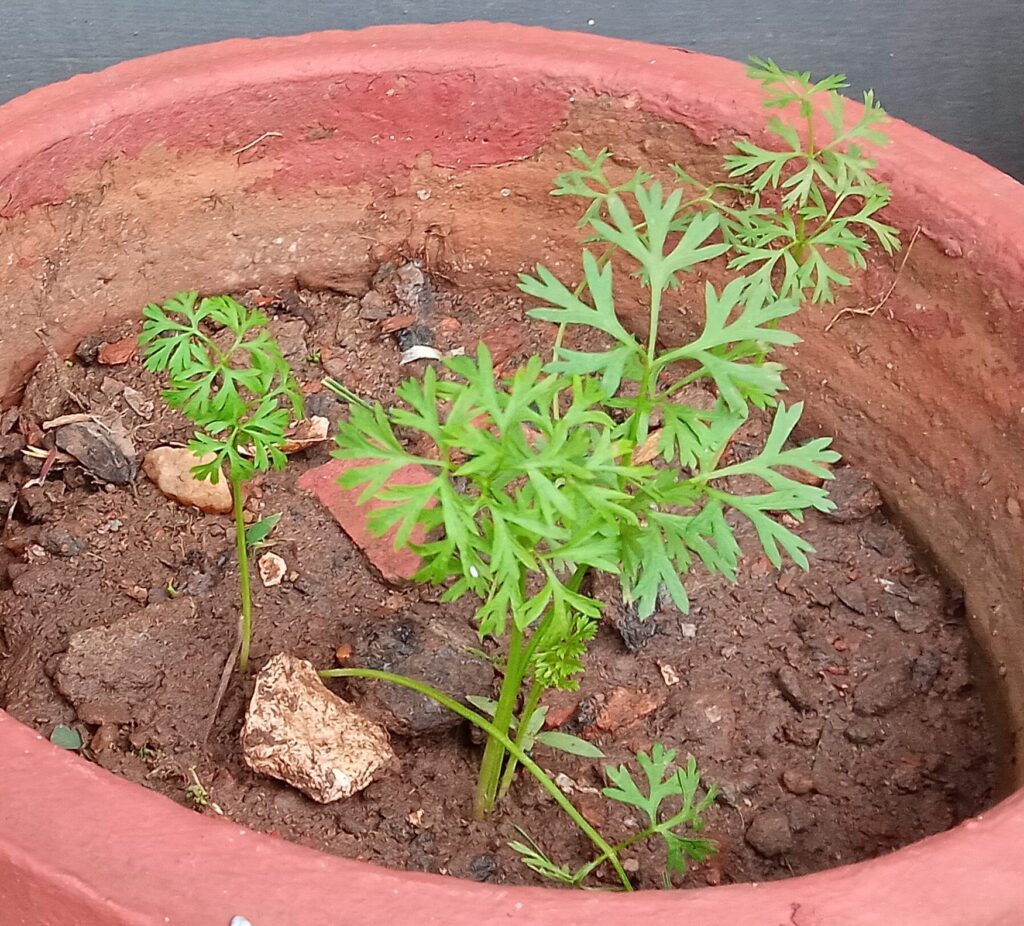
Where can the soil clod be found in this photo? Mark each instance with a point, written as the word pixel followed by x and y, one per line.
pixel 432 653
pixel 769 833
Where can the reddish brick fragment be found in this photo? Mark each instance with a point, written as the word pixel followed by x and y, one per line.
pixel 393 565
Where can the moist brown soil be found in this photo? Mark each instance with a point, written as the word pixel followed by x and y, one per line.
pixel 836 706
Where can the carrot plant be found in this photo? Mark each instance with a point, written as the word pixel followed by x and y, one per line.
pixel 594 460
pixel 227 375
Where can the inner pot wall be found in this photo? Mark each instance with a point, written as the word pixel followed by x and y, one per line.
pixel 123 187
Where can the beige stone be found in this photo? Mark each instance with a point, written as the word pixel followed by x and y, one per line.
pixel 273 569
pixel 300 732
pixel 170 470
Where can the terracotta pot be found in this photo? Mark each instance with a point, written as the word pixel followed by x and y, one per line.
pixel 308 159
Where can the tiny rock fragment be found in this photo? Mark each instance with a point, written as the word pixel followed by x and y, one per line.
pixel 883 690
pixel 558 716
pixel 393 565
pixel 343 653
pixel 864 732
pixel 137 402
pixel 106 737
pixel 433 652
pixel 482 867
pixel 624 707
pixel 11 446
pixel 419 352
pixel 1013 507
pixel 648 450
pixel 396 323
pixel 118 352
pixel 272 569
pixel 911 620
pixel 373 306
pixel 853 596
pixel 634 630
pixel 170 470
pixel 415 817
pixel 298 731
pixel 8 498
pixel 668 674
pixel 105 452
pixel 89 347
pixel 565 784
pixel 306 434
pixel 61 542
pixel 46 392
pixel 504 343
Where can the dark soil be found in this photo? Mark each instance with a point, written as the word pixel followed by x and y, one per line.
pixel 835 709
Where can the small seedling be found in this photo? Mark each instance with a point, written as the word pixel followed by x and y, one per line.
pixel 663 784
pixel 196 792
pixel 228 376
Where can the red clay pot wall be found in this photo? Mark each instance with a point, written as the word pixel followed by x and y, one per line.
pixel 123 186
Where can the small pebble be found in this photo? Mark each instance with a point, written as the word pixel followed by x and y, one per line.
pixel 482 867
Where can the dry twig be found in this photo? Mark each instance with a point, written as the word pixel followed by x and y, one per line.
pixel 871 310
pixel 256 141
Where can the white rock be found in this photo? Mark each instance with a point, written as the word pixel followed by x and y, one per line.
pixel 300 732
pixel 272 569
pixel 170 470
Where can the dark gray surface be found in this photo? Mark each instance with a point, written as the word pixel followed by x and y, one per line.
pixel 951 67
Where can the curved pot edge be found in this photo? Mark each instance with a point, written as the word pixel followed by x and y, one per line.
pixel 230 870
pixel 972 859
pixel 967 198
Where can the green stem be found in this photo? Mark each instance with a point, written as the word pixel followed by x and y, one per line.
pixel 238 497
pixel 607 851
pixel 532 700
pixel 494 752
pixel 581 875
pixel 536 689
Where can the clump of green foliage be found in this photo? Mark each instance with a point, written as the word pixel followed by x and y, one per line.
pixel 596 461
pixel 227 375
pixel 785 214
pixel 663 783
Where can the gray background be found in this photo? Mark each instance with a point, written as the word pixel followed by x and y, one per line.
pixel 952 67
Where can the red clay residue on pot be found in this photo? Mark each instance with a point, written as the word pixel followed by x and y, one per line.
pixel 339 130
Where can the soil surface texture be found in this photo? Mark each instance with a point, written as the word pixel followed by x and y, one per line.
pixel 835 709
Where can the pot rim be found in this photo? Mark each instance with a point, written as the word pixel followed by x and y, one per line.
pixel 78 845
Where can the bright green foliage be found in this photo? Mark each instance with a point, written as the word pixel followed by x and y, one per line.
pixel 829 200
pixel 788 212
pixel 66 737
pixel 236 388
pixel 533 474
pixel 256 534
pixel 228 376
pixel 595 460
pixel 662 784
